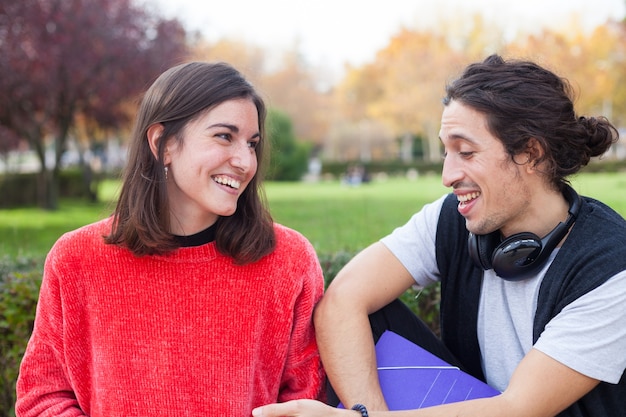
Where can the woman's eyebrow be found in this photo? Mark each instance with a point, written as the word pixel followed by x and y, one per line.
pixel 232 128
pixel 226 125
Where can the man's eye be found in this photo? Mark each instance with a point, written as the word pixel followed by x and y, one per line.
pixel 466 154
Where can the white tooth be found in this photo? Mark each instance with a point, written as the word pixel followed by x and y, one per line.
pixel 467 197
pixel 228 181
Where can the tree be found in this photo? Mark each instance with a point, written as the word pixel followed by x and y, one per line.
pixel 62 58
pixel 8 141
pixel 402 87
pixel 287 83
pixel 593 62
pixel 289 158
pixel 292 88
pixel 247 58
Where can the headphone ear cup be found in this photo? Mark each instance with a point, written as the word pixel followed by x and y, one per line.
pixel 523 254
pixel 514 257
pixel 481 248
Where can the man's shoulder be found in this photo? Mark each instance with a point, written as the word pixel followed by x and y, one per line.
pixel 599 224
pixel 601 213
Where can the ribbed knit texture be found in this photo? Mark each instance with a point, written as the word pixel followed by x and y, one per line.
pixel 187 334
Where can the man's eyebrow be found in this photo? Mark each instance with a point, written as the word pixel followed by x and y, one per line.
pixel 460 136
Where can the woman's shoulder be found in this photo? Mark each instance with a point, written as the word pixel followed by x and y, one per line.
pixel 88 236
pixel 295 259
pixel 289 240
pixel 288 234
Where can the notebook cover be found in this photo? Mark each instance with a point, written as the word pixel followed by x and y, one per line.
pixel 411 377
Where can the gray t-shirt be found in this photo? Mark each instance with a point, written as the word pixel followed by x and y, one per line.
pixel 588 335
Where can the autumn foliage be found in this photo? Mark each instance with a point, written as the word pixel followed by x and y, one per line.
pixel 73 68
pixel 62 59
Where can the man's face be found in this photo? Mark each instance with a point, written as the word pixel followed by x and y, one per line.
pixel 492 191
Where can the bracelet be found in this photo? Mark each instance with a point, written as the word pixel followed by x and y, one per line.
pixel 360 408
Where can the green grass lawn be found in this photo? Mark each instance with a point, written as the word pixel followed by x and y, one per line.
pixel 334 217
pixel 608 188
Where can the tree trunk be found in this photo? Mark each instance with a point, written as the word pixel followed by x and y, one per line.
pixel 48 189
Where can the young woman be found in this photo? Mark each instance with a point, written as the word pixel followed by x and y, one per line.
pixel 189 300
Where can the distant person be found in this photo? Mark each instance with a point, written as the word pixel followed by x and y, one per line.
pixel 533 277
pixel 356 175
pixel 189 300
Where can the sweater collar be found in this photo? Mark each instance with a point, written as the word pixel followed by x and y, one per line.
pixel 197 239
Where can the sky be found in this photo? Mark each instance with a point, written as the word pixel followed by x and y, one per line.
pixel 331 33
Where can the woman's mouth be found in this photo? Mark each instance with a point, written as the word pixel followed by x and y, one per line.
pixel 229 182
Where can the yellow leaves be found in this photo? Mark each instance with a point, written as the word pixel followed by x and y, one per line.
pixel 593 61
pixel 403 86
pixel 399 92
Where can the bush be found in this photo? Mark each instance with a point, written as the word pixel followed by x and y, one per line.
pixel 397 167
pixel 332 264
pixel 289 157
pixel 18 190
pixel 424 302
pixel 19 289
pixel 21 190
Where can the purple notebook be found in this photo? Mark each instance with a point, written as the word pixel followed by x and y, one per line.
pixel 412 378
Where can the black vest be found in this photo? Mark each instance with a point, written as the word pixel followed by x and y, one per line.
pixel 594 251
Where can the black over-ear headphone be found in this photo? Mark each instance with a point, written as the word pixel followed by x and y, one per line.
pixel 522 254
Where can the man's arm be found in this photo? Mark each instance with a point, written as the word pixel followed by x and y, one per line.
pixel 371 280
pixel 540 387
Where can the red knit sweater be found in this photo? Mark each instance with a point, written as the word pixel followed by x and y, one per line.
pixel 187 334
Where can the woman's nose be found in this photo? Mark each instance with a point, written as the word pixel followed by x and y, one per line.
pixel 243 157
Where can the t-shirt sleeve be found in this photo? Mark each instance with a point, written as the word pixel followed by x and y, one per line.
pixel 589 335
pixel 414 243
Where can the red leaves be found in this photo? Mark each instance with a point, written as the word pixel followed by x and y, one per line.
pixel 60 57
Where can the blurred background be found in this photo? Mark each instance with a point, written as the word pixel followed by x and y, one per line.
pixel 354 87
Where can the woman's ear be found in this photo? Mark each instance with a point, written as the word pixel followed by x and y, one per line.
pixel 154 136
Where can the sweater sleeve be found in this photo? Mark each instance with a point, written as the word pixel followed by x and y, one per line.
pixel 43 388
pixel 304 376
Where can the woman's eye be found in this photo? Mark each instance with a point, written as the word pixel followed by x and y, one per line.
pixel 225 136
pixel 253 144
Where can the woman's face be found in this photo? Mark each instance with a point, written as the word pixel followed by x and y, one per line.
pixel 211 167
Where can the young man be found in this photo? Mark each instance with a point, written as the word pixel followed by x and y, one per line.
pixel 533 277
